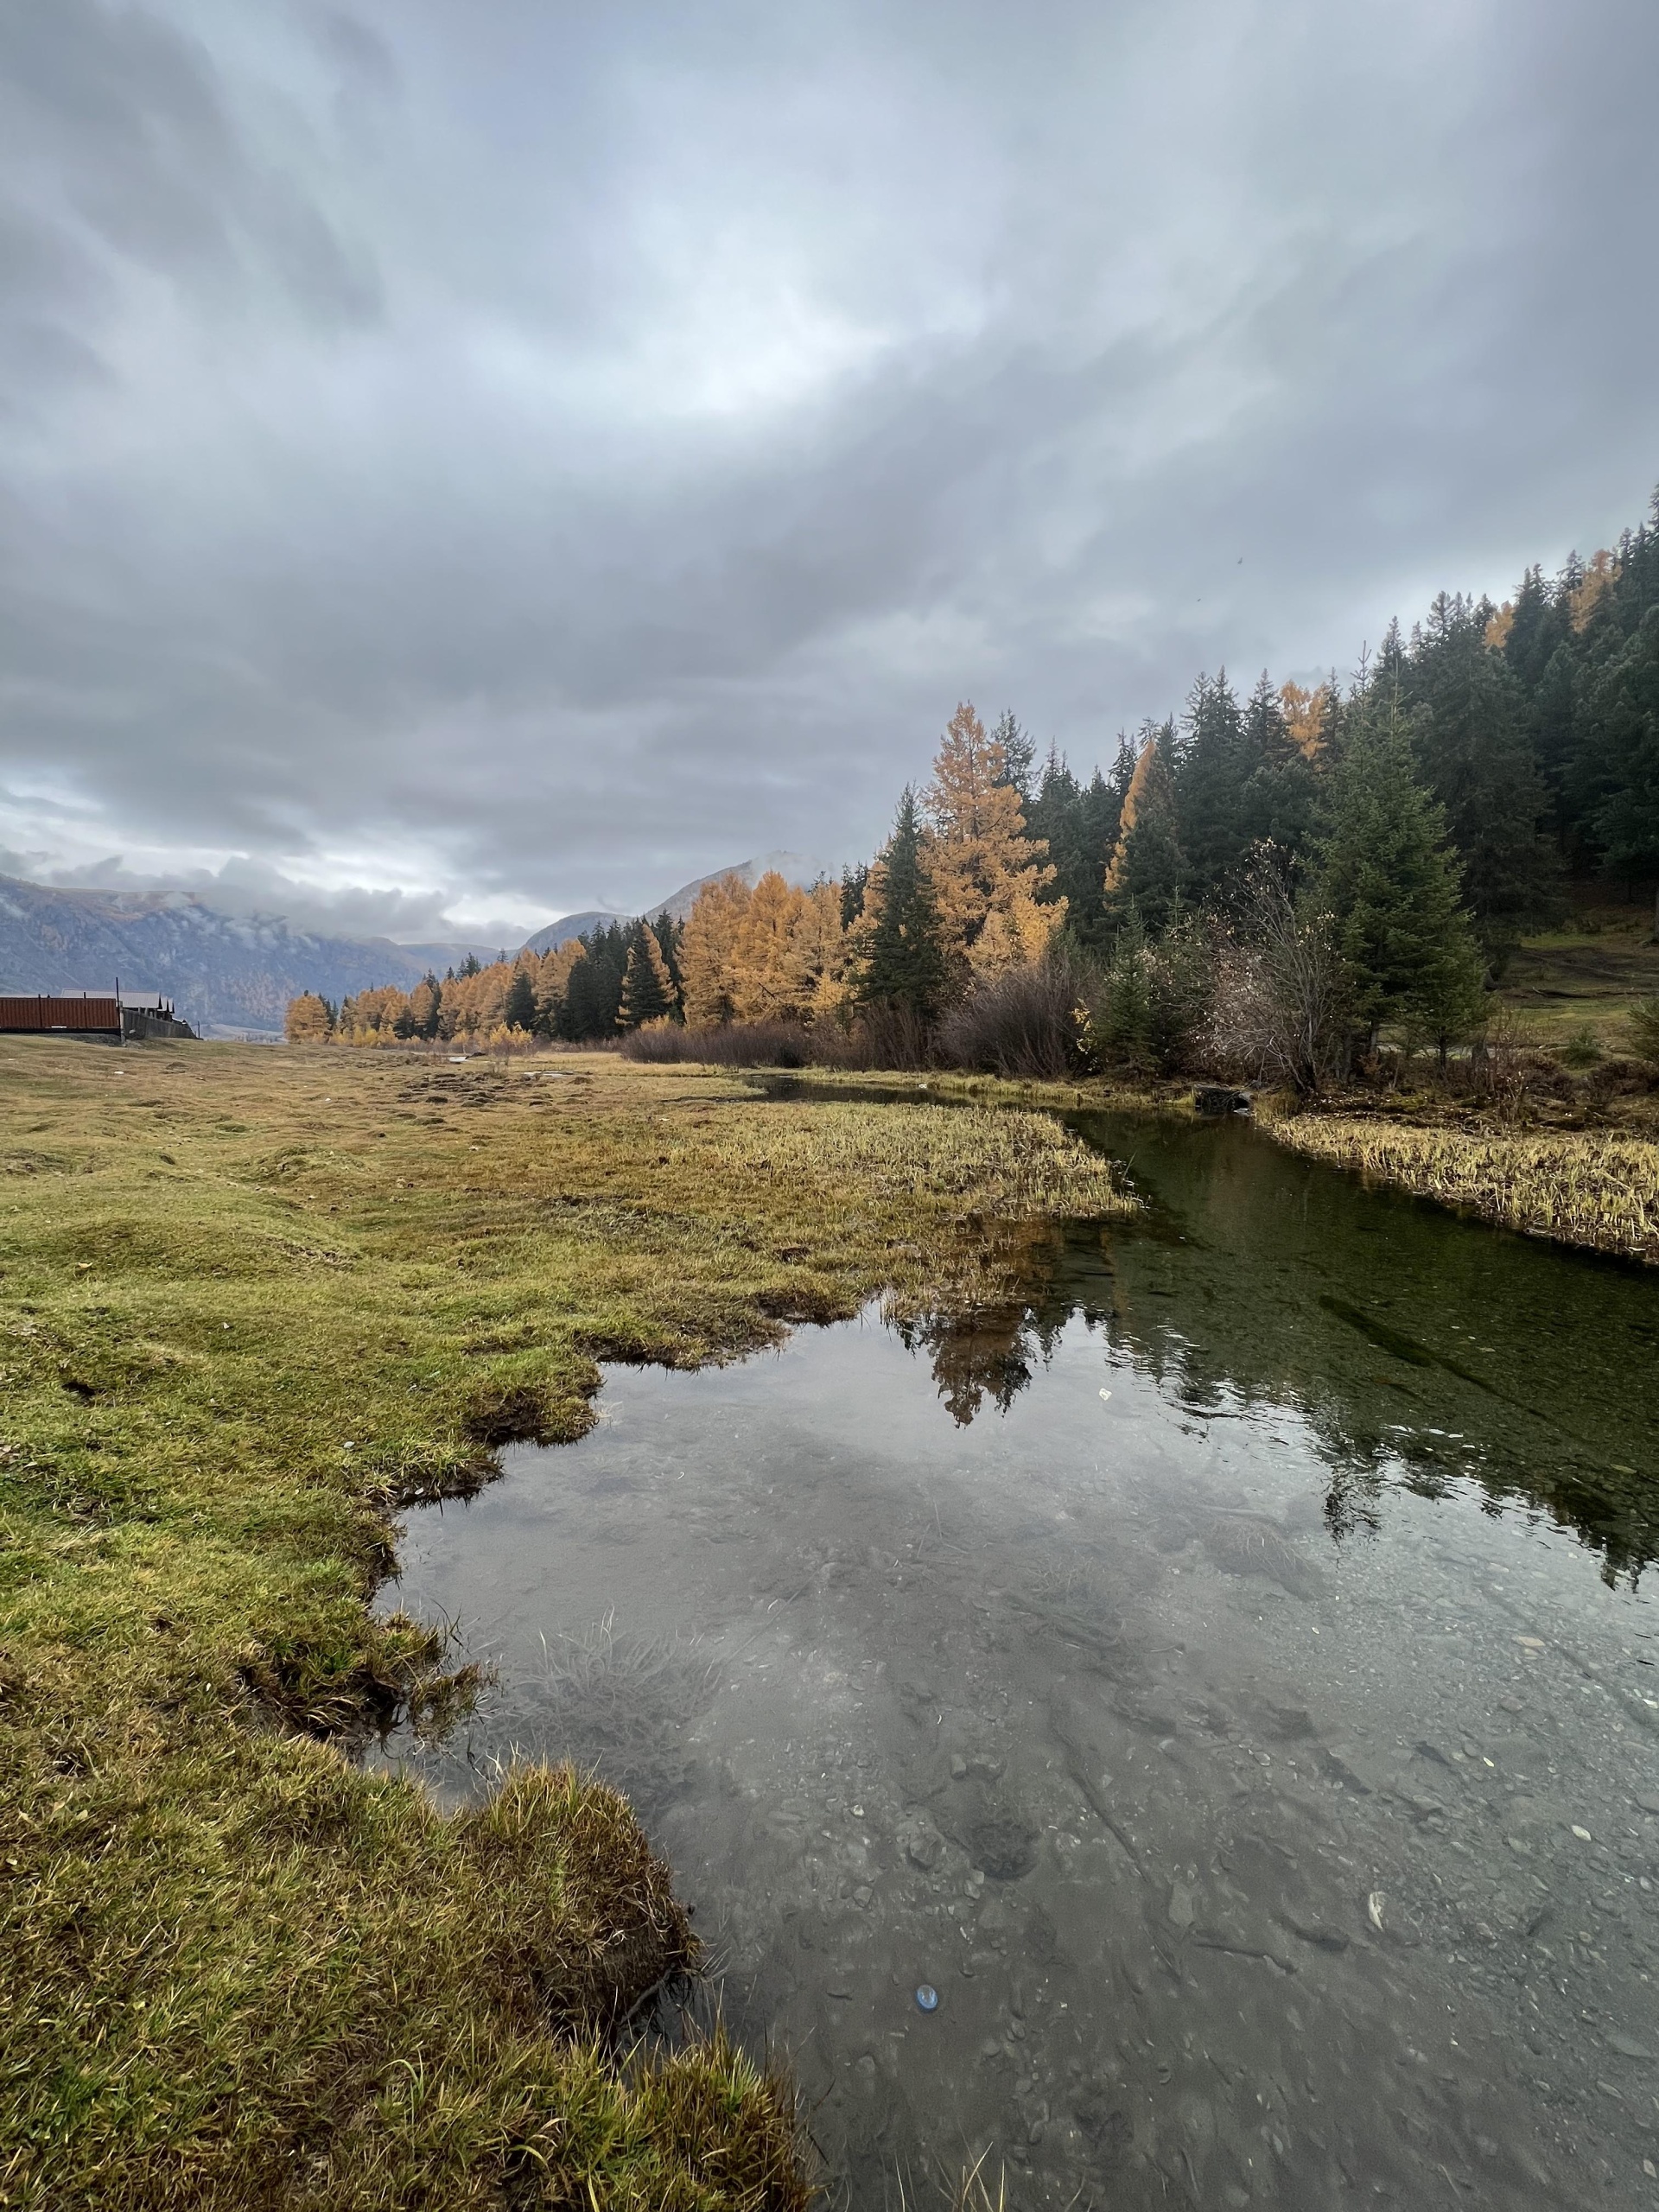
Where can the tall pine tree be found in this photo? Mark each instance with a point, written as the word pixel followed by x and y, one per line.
pixel 1018 755
pixel 593 992
pixel 1280 798
pixel 1211 772
pixel 1619 773
pixel 1147 867
pixel 1475 753
pixel 1391 878
pixel 518 1009
pixel 647 994
pixel 902 964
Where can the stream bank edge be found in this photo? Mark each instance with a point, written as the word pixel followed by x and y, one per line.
pixel 250 1303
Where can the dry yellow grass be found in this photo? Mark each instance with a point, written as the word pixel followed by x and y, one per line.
pixel 1580 1186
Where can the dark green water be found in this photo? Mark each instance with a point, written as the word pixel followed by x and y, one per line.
pixel 1226 1675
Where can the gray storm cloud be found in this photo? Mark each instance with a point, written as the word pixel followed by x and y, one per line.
pixel 502 460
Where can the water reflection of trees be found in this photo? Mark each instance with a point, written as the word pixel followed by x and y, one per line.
pixel 1233 1312
pixel 983 1350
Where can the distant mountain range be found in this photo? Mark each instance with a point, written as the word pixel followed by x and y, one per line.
pixel 231 976
pixel 228 976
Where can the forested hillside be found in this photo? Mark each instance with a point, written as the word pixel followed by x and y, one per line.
pixel 1275 861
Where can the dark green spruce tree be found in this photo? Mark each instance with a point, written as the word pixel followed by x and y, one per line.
pixel 853 882
pixel 518 1009
pixel 1148 869
pixel 594 995
pixel 1078 824
pixel 904 966
pixel 1475 752
pixel 668 933
pixel 1209 773
pixel 1019 754
pixel 1619 771
pixel 1281 795
pixel 647 992
pixel 1391 878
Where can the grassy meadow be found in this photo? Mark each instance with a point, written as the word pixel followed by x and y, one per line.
pixel 250 1303
pixel 1582 981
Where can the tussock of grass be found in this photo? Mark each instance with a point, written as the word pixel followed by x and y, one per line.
pixel 1581 1186
pixel 249 1302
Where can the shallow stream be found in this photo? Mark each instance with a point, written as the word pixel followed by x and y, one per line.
pixel 1227 1678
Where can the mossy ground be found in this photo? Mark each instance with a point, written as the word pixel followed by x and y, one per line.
pixel 249 1302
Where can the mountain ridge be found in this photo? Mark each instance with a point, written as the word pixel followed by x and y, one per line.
pixel 232 975
pixel 226 973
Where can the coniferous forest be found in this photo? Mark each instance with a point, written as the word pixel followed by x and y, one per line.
pixel 1273 880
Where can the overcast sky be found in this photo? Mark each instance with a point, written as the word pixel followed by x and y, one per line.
pixel 462 463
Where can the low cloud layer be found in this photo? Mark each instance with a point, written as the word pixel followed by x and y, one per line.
pixel 458 466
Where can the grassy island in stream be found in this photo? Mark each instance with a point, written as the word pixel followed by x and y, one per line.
pixel 250 1302
pixel 1598 1187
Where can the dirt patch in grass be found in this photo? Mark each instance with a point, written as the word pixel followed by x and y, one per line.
pixel 250 1301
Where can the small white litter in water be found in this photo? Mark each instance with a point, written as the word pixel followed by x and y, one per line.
pixel 1105 1394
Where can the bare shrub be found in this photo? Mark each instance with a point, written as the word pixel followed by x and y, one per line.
pixel 726 1045
pixel 1281 1006
pixel 1022 1024
pixel 662 1042
pixel 886 1037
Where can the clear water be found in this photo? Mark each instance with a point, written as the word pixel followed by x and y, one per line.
pixel 1260 1760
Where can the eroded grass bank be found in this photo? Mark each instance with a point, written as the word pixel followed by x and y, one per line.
pixel 250 1301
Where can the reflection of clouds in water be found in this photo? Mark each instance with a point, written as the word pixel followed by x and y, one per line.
pixel 1073 1715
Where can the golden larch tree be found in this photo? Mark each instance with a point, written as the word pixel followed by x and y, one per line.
pixel 1304 712
pixel 551 982
pixel 371 1017
pixel 979 860
pixel 474 1005
pixel 708 951
pixel 762 984
pixel 424 1003
pixel 818 953
pixel 306 1021
pixel 1146 765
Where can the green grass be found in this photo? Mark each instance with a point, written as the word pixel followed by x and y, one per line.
pixel 1587 979
pixel 250 1302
